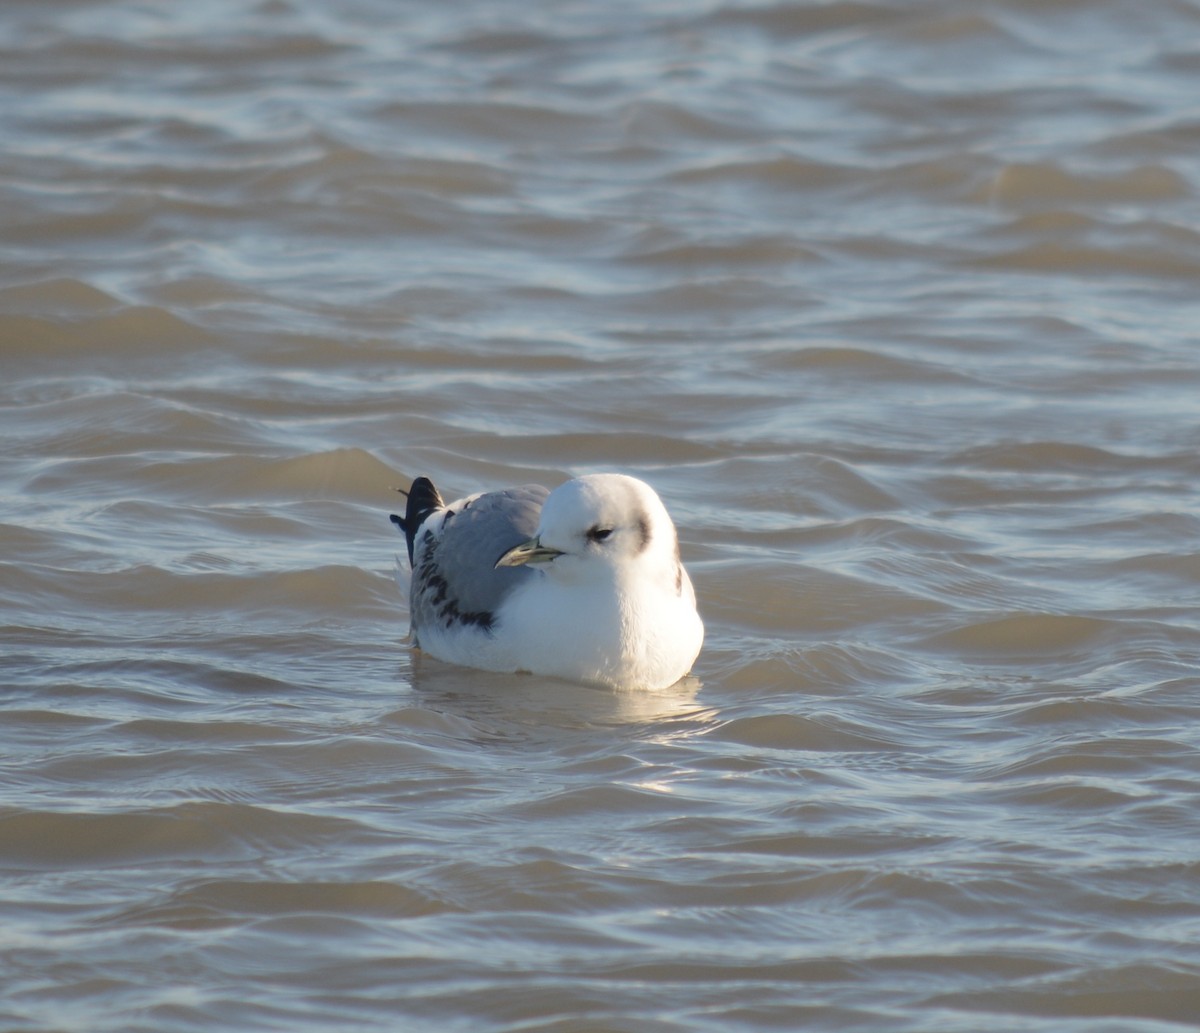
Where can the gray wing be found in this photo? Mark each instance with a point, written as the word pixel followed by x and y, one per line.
pixel 455 580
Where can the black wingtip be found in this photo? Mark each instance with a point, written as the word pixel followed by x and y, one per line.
pixel 423 499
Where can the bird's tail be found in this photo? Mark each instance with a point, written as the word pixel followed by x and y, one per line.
pixel 423 499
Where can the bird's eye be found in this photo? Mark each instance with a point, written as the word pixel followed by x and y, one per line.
pixel 598 534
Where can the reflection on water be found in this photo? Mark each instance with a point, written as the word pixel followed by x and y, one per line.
pixel 893 305
pixel 546 703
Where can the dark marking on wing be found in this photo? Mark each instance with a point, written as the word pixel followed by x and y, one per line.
pixel 455 582
pixel 423 499
pixel 437 592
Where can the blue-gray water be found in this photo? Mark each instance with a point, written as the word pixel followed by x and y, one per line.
pixel 894 303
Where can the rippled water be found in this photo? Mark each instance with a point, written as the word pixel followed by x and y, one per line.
pixel 894 303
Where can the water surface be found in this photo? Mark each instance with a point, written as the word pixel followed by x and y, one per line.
pixel 894 304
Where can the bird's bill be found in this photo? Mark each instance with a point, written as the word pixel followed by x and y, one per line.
pixel 532 551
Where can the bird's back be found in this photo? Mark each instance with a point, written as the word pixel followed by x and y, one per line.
pixel 456 589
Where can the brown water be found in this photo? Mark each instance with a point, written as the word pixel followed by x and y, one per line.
pixel 894 303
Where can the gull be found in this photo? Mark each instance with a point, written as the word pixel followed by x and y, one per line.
pixel 582 583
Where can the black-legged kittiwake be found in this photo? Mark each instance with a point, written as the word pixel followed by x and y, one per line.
pixel 583 582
